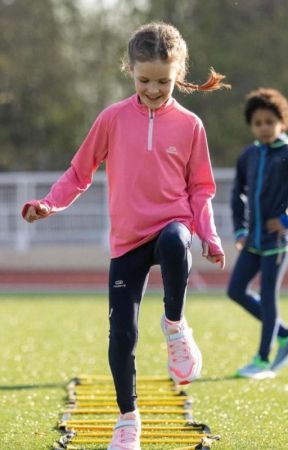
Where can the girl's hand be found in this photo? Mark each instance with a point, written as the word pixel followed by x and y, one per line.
pixel 275 226
pixel 240 243
pixel 36 212
pixel 214 259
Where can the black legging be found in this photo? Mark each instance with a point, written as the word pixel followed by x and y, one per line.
pixel 127 282
pixel 265 307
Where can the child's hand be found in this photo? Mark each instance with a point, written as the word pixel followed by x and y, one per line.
pixel 275 226
pixel 214 259
pixel 240 243
pixel 36 212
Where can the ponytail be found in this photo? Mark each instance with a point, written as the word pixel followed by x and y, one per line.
pixel 213 83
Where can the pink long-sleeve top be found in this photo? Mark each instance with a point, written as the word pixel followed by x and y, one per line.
pixel 158 169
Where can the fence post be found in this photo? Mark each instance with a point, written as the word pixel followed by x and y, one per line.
pixel 24 188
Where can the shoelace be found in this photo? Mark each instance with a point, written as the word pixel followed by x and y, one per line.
pixel 127 434
pixel 179 350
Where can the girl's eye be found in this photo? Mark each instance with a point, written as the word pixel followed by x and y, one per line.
pixel 143 81
pixel 164 81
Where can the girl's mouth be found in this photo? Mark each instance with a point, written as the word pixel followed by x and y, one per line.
pixel 153 99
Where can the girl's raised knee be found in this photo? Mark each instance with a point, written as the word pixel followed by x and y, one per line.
pixel 175 236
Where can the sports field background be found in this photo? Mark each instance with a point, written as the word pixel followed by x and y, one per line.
pixel 47 340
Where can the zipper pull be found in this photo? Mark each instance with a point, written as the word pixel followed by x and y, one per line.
pixel 150 130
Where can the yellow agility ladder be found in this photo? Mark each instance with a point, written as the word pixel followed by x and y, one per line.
pixel 87 423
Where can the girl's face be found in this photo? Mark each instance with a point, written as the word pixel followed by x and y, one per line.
pixel 265 125
pixel 154 81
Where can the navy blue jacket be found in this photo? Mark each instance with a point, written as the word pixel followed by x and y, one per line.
pixel 260 192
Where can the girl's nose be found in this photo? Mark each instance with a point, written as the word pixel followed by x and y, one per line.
pixel 153 89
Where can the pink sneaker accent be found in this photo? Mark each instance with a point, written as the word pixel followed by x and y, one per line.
pixel 127 432
pixel 184 356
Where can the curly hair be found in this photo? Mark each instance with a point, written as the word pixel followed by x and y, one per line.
pixel 267 98
pixel 159 40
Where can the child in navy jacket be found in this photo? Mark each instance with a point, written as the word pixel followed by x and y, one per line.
pixel 259 209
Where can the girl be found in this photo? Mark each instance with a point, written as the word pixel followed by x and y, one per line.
pixel 261 177
pixel 160 190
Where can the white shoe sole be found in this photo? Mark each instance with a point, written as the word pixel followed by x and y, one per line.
pixel 259 376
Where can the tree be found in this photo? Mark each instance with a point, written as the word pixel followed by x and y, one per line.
pixel 60 66
pixel 246 40
pixel 40 110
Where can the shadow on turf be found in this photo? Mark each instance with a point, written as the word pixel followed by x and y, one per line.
pixel 214 379
pixel 23 387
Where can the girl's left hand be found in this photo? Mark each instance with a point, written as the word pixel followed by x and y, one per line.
pixel 214 259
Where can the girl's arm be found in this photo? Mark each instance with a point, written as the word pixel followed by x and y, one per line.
pixel 76 179
pixel 201 190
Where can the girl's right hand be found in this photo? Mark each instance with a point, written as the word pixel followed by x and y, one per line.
pixel 36 212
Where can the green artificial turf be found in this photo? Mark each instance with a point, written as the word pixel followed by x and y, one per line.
pixel 47 340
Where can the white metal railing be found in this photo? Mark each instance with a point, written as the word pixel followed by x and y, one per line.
pixel 87 219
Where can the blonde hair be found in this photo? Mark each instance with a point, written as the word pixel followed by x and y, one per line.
pixel 159 40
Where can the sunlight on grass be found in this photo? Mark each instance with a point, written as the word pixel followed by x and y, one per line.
pixel 46 341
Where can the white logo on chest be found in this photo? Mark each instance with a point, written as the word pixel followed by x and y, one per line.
pixel 172 150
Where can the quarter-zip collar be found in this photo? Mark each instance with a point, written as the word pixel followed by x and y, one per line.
pixel 151 113
pixel 166 107
pixel 279 142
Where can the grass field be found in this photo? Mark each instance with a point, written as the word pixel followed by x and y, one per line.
pixel 47 340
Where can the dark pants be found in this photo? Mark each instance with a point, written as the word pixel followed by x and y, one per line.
pixel 263 307
pixel 127 282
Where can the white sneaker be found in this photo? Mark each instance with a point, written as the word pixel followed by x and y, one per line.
pixel 127 432
pixel 184 356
